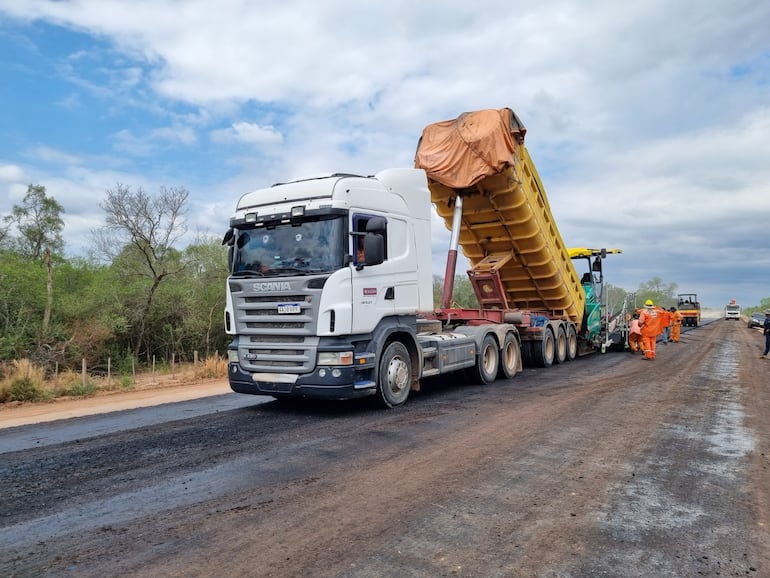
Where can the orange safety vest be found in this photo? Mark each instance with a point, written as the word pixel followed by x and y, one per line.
pixel 650 322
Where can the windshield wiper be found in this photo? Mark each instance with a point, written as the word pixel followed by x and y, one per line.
pixel 289 270
pixel 247 272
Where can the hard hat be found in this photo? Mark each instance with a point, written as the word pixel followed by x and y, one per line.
pixel 767 311
pixel 648 303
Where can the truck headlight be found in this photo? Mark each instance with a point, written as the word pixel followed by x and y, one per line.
pixel 232 355
pixel 335 358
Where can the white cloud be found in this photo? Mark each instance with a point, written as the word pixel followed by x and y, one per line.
pixel 648 122
pixel 245 132
pixel 11 173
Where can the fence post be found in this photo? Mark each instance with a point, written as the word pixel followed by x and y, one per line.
pixel 83 372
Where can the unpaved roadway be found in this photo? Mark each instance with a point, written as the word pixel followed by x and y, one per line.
pixel 605 466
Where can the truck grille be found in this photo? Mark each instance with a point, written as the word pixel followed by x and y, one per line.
pixel 270 341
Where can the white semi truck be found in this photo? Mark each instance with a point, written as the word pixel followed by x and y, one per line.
pixel 331 287
pixel 733 310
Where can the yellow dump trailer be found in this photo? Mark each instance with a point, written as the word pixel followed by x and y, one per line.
pixel 508 228
pixel 505 226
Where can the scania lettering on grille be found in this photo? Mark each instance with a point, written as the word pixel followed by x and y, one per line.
pixel 270 286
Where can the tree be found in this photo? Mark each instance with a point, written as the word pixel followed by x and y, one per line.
pixel 40 225
pixel 38 220
pixel 139 235
pixel 462 292
pixel 615 297
pixel 662 294
pixel 21 305
pixel 205 279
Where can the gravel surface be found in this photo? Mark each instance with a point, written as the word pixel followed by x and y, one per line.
pixel 604 466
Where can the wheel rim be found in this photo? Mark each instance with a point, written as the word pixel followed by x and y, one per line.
pixel 510 357
pixel 571 344
pixel 561 346
pixel 549 347
pixel 490 360
pixel 397 375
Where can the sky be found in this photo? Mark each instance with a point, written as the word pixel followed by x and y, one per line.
pixel 649 122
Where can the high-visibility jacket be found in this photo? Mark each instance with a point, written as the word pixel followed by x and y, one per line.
pixel 650 322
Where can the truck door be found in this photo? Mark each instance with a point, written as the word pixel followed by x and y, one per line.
pixel 373 284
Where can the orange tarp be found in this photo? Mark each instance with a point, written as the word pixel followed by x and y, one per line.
pixel 459 153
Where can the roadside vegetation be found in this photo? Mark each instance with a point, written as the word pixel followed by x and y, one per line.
pixel 137 303
pixel 23 381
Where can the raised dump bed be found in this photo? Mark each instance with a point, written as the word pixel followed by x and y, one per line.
pixel 507 229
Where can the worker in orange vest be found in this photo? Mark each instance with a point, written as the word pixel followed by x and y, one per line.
pixel 665 324
pixel 676 324
pixel 650 326
pixel 635 343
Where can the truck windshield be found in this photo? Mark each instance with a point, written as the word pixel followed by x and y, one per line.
pixel 307 247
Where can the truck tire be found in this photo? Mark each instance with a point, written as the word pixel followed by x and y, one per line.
pixel 526 354
pixel 487 361
pixel 560 354
pixel 394 375
pixel 572 343
pixel 509 357
pixel 544 354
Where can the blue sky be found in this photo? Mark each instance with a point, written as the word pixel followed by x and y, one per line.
pixel 649 123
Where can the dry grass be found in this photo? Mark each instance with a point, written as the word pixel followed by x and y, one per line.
pixel 23 381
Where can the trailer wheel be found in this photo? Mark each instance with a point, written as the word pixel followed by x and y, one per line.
pixel 572 343
pixel 544 354
pixel 487 361
pixel 526 354
pixel 394 378
pixel 509 357
pixel 560 355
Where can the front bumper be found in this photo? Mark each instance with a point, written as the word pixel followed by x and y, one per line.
pixel 352 383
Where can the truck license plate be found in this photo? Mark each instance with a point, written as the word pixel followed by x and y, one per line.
pixel 288 308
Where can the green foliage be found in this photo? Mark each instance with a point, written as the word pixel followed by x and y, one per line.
pixel 662 294
pixel 22 304
pixel 79 389
pixel 24 389
pixel 39 223
pixel 763 305
pixel 463 295
pixel 615 297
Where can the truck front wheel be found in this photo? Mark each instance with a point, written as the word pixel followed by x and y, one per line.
pixel 394 378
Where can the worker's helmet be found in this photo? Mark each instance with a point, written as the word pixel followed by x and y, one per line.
pixel 648 303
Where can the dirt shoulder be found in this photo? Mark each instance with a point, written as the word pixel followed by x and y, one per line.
pixel 16 414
